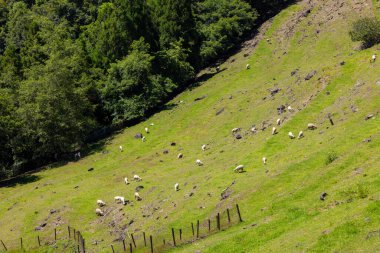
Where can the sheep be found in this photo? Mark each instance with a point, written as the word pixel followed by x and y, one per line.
pixel 300 135
pixel 217 69
pixel 235 130
pixel 274 131
pixel 264 160
pixel 290 109
pixel 121 148
pixel 204 147
pixel 247 66
pixel 311 126
pixel 137 178
pixel 152 124
pixel 126 181
pixel 176 187
pixel 99 212
pixel 137 196
pixel 291 135
pixel 147 130
pixel 239 169
pixel 199 162
pixel 278 122
pixel 373 58
pixel 143 139
pixel 254 129
pixel 180 155
pixel 100 203
pixel 119 199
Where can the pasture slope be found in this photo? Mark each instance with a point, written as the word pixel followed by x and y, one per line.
pixel 280 201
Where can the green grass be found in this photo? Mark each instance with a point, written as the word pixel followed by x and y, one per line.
pixel 282 197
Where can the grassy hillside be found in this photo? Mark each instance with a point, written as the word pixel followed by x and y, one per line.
pixel 282 197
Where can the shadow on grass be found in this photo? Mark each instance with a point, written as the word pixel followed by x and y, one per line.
pixel 19 180
pixel 203 78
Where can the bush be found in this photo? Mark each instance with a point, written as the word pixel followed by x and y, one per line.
pixel 366 30
pixel 331 157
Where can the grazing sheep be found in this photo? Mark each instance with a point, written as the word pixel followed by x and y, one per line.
pixel 247 66
pixel 217 69
pixel 373 58
pixel 147 130
pixel 143 139
pixel 137 178
pixel 137 196
pixel 239 169
pixel 99 212
pixel 152 124
pixel 254 129
pixel 120 200
pixel 199 162
pixel 180 155
pixel 300 135
pixel 291 135
pixel 311 126
pixel 204 147
pixel 290 109
pixel 176 187
pixel 323 196
pixel 100 203
pixel 121 148
pixel 274 131
pixel 264 160
pixel 126 181
pixel 278 122
pixel 235 130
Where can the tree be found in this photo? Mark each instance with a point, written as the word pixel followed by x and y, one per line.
pixel 366 30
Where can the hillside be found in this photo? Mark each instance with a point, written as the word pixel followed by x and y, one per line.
pixel 280 201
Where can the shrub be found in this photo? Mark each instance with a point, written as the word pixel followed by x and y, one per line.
pixel 331 157
pixel 366 30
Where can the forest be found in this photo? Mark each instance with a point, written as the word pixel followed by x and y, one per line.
pixel 70 68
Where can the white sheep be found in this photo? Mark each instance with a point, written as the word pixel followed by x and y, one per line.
pixel 143 139
pixel 137 178
pixel 290 109
pixel 278 122
pixel 137 196
pixel 152 124
pixel 120 199
pixel 199 162
pixel 99 212
pixel 121 148
pixel 176 187
pixel 300 135
pixel 180 155
pixel 291 135
pixel 274 131
pixel 254 130
pixel 126 181
pixel 264 160
pixel 100 203
pixel 374 58
pixel 147 130
pixel 311 126
pixel 204 147
pixel 247 66
pixel 235 130
pixel 239 169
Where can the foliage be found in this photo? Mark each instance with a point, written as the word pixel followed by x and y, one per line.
pixel 366 30
pixel 331 157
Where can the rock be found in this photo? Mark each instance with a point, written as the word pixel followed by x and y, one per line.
pixel 274 91
pixel 173 144
pixel 138 188
pixel 293 72
pixel 323 196
pixel 369 116
pixel 76 187
pixel 310 75
pixel 191 194
pixel 200 98
pixel 246 55
pixel 90 169
pixel 165 152
pixel 342 63
pixel 138 136
pixel 52 211
pixel 219 112
pixel 238 136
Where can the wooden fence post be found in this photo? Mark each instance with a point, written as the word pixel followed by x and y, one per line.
pixel 39 242
pixel 238 210
pixel 75 235
pixel 4 245
pixel 197 228
pixel 209 225
pixel 218 221
pixel 113 250
pixel 163 241
pixel 151 244
pixel 144 239
pixel 68 228
pixel 124 245
pixel 180 234
pixel 21 243
pixel 133 240
pixel 173 237
pixel 228 215
pixel 130 247
pixel 192 228
pixel 55 234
